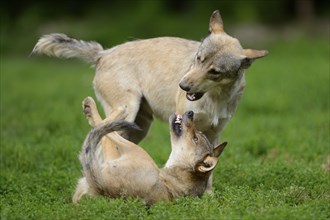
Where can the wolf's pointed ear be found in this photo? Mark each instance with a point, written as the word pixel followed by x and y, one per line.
pixel 216 24
pixel 218 149
pixel 207 165
pixel 250 55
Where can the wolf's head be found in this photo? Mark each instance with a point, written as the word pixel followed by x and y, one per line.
pixel 190 147
pixel 219 60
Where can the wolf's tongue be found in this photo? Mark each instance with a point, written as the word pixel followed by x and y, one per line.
pixel 194 96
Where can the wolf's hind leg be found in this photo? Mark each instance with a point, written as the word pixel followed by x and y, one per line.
pixel 93 116
pixel 91 112
pixel 82 189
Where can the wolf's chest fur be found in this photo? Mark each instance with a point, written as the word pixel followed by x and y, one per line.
pixel 219 105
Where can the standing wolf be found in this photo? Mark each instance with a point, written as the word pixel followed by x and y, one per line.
pixel 146 76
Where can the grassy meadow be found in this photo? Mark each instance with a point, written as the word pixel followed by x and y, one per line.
pixel 276 165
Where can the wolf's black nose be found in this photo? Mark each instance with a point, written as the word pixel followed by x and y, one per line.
pixel 190 114
pixel 184 87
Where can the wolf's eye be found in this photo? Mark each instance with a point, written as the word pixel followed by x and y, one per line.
pixel 214 72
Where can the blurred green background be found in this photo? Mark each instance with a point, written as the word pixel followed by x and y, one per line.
pixel 277 163
pixel 115 21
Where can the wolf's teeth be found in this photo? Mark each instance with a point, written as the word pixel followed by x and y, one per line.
pixel 178 119
pixel 191 96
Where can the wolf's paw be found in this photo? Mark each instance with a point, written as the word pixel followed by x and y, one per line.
pixel 209 192
pixel 87 106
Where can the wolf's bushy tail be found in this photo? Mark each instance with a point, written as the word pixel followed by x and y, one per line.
pixel 62 46
pixel 95 135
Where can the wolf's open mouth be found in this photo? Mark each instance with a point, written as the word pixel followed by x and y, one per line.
pixel 177 125
pixel 194 96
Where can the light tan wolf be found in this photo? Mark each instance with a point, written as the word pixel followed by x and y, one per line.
pixel 145 76
pixel 118 168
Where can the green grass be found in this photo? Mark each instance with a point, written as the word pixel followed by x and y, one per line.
pixel 272 168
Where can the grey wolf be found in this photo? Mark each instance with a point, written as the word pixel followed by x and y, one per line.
pixel 118 168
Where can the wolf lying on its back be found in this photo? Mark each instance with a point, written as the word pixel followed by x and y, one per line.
pixel 116 167
pixel 145 76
